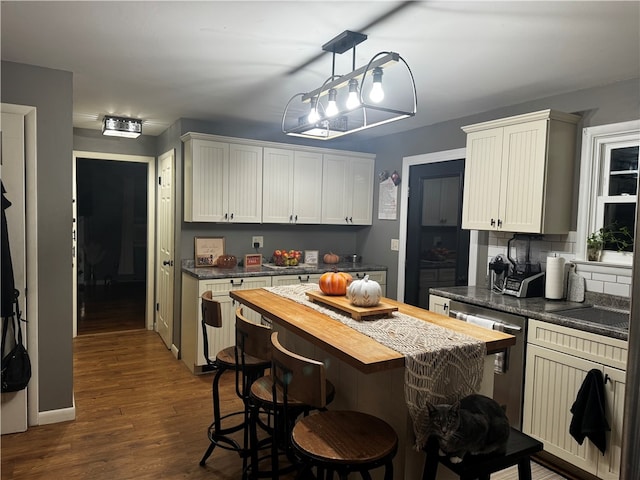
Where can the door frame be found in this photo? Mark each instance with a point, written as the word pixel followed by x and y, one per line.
pixel 151 228
pixel 477 243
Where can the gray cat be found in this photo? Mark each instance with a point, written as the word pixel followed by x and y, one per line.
pixel 475 424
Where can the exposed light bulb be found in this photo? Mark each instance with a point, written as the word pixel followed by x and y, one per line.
pixel 377 93
pixel 332 106
pixel 313 114
pixel 352 99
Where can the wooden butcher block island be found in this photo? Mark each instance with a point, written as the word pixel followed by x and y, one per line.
pixel 368 376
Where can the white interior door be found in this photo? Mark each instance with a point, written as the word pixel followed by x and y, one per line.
pixel 14 404
pixel 165 253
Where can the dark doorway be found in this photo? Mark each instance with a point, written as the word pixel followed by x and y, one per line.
pixel 112 245
pixel 437 248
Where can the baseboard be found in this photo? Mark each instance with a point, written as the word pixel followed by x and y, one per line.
pixel 57 416
pixel 175 351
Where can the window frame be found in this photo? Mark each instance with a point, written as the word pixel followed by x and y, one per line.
pixel 597 143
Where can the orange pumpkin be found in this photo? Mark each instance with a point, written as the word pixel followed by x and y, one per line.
pixel 331 258
pixel 335 283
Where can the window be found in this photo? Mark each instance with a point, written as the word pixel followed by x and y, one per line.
pixel 609 188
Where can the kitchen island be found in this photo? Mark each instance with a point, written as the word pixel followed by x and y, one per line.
pixel 368 376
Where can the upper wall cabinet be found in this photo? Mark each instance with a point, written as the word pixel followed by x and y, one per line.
pixel 347 190
pixel 292 186
pixel 519 173
pixel 222 181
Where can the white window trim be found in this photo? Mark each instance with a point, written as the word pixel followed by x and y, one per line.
pixel 594 140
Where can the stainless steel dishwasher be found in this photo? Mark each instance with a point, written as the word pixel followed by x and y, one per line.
pixel 508 384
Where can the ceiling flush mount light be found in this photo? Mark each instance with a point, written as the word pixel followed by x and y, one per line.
pixel 355 101
pixel 121 127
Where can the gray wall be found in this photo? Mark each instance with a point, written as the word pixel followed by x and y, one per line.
pixel 51 92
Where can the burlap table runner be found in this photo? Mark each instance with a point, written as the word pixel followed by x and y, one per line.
pixel 441 365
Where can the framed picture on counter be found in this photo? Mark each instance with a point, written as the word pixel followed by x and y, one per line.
pixel 253 260
pixel 311 256
pixel 207 250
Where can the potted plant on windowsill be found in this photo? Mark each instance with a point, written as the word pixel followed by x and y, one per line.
pixel 614 238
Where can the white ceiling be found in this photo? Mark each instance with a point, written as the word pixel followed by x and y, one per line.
pixel 215 60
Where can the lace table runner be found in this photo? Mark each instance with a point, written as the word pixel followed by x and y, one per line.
pixel 441 365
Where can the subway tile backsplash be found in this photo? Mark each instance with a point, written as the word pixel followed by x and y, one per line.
pixel 601 278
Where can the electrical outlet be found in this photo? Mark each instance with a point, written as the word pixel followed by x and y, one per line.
pixel 257 242
pixel 395 244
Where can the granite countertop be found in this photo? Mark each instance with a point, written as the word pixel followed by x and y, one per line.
pixel 541 309
pixel 206 273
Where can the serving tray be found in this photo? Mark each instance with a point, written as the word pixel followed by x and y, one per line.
pixel 342 303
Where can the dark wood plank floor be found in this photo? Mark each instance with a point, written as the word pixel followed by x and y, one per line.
pixel 140 415
pixel 111 308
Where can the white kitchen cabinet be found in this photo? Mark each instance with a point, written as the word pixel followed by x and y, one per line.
pixel 518 171
pixel 440 201
pixel 439 304
pixel 222 181
pixel 192 345
pixel 558 360
pixel 347 190
pixel 292 186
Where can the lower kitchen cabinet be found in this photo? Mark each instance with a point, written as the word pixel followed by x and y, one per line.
pixel 439 304
pixel 192 349
pixel 558 360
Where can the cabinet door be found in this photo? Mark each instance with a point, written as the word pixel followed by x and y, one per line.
pixel 552 381
pixel 279 178
pixel 361 191
pixel 307 188
pixel 336 191
pixel 439 304
pixel 480 206
pixel 523 179
pixel 245 184
pixel 206 171
pixel 609 464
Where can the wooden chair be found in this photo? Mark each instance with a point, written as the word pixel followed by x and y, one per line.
pixel 223 427
pixel 520 447
pixel 329 441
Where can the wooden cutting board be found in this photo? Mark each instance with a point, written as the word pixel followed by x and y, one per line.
pixel 342 303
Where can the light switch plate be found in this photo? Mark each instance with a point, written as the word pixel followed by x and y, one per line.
pixel 395 244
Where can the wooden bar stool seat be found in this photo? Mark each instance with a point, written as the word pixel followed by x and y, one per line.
pixel 328 441
pixel 520 447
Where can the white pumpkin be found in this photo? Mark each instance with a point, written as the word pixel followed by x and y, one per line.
pixel 364 293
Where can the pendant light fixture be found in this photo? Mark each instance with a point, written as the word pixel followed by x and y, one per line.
pixel 355 101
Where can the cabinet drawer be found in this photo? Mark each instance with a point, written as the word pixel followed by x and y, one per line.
pixel 279 280
pixel 380 277
pixel 591 346
pixel 222 286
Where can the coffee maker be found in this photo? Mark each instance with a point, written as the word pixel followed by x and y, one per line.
pixel 526 278
pixel 498 272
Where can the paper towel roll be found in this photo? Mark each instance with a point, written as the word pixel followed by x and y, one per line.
pixel 554 284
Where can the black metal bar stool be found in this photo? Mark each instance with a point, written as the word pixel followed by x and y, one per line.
pixel 223 427
pixel 520 447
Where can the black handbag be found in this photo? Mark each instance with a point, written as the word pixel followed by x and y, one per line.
pixel 16 366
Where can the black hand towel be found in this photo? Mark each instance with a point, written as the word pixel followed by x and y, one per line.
pixel 588 410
